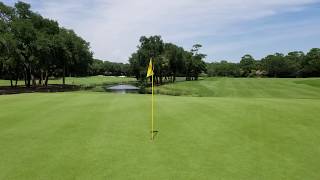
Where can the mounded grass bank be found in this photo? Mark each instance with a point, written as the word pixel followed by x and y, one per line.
pixel 245 87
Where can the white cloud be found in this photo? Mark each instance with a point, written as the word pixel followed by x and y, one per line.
pixel 113 27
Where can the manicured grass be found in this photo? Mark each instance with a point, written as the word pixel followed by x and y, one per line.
pixel 83 81
pixel 246 87
pixel 248 129
pixel 7 82
pixel 311 82
pixel 83 135
pixel 95 80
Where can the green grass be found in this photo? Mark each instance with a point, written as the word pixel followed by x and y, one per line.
pixel 95 80
pixel 7 82
pixel 269 134
pixel 245 87
pixel 83 81
pixel 310 82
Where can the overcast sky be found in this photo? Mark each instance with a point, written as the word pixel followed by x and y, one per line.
pixel 227 29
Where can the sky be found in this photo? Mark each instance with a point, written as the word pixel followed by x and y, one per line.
pixel 227 29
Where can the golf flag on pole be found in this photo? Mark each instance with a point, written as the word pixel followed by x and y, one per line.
pixel 150 73
pixel 150 69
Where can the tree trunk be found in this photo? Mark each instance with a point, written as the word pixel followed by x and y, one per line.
pixel 16 81
pixel 16 78
pixel 64 75
pixel 33 80
pixel 29 78
pixel 28 74
pixel 25 78
pixel 47 78
pixel 11 83
pixel 187 77
pixel 41 77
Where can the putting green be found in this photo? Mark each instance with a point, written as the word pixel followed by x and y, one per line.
pixel 83 135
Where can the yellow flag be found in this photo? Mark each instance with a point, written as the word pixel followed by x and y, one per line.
pixel 150 69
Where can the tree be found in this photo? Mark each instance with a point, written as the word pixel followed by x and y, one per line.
pixel 223 68
pixel 194 63
pixel 175 60
pixel 169 60
pixel 96 68
pixel 23 10
pixel 150 47
pixel 33 47
pixel 10 57
pixel 311 63
pixel 293 63
pixel 247 64
pixel 47 30
pixel 8 46
pixel 275 65
pixel 135 66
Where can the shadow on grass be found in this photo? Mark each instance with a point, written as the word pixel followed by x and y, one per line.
pixel 155 133
pixel 50 88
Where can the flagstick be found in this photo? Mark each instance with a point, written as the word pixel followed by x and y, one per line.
pixel 152 108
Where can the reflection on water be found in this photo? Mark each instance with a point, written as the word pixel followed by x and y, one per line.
pixel 123 88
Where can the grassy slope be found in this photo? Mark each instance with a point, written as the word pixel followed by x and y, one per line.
pixel 85 135
pixel 246 87
pixel 84 81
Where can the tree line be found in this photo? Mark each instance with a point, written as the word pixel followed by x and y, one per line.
pixel 294 64
pixel 107 68
pixel 169 60
pixel 34 48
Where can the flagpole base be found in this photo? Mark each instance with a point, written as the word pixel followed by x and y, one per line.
pixel 154 134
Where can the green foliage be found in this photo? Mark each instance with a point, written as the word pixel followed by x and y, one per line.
pixel 275 65
pixel 175 60
pixel 152 47
pixel 223 68
pixel 169 60
pixel 311 63
pixel 99 67
pixel 142 84
pixel 247 64
pixel 194 63
pixel 294 64
pixel 33 47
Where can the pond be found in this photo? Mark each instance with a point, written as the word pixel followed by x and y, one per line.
pixel 123 88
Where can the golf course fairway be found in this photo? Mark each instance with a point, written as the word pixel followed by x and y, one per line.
pixel 87 135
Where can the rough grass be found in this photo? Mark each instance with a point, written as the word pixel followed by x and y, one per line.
pixel 85 135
